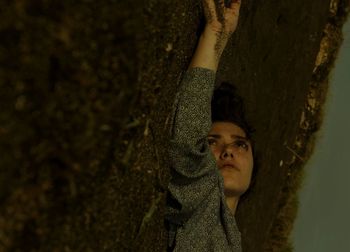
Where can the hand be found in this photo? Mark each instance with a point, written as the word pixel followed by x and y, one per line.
pixel 221 19
pixel 221 23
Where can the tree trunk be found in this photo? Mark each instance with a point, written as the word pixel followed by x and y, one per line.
pixel 86 89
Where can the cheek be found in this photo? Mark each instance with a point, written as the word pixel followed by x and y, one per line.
pixel 250 165
pixel 247 163
pixel 216 152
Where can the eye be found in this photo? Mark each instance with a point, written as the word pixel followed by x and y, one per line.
pixel 242 144
pixel 212 141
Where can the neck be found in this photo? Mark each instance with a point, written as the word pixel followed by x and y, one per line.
pixel 232 203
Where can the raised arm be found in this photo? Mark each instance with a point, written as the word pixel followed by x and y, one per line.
pixel 193 168
pixel 193 118
pixel 221 22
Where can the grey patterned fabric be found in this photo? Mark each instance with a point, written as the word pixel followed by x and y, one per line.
pixel 197 215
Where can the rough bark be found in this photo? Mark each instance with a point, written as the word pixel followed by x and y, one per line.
pixel 86 89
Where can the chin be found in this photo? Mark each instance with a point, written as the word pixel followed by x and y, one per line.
pixel 232 189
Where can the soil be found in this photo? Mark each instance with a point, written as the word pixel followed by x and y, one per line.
pixel 86 90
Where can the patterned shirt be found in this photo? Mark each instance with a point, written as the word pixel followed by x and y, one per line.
pixel 197 215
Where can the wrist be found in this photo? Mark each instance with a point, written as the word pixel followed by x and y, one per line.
pixel 218 29
pixel 220 37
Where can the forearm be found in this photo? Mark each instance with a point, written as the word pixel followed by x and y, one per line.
pixel 209 49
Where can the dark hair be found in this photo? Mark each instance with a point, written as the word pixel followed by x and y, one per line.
pixel 227 106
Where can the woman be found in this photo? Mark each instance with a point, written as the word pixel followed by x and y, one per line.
pixel 210 149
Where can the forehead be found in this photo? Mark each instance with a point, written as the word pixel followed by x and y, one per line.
pixel 226 128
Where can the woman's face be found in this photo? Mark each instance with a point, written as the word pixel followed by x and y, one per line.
pixel 234 156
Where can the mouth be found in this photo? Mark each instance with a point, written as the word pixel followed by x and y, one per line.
pixel 230 166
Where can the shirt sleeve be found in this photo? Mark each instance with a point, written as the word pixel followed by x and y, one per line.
pixel 193 167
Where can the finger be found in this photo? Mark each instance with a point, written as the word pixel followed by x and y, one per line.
pixel 210 4
pixel 235 4
pixel 210 10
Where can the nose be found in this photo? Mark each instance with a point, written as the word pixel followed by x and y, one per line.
pixel 227 152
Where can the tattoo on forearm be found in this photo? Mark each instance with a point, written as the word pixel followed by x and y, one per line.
pixel 222 38
pixel 218 14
